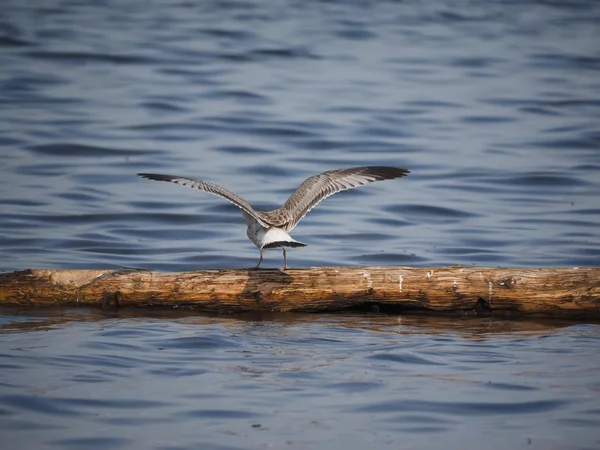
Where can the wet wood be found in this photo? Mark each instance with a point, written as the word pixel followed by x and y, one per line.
pixel 561 292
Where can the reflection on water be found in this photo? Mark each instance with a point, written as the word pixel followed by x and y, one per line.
pixel 15 319
pixel 493 106
pixel 253 380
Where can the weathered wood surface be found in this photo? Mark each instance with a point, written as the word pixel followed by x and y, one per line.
pixel 563 292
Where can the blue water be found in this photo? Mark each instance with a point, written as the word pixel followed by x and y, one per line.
pixel 92 379
pixel 493 106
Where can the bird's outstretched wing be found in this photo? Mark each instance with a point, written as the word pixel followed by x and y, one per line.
pixel 318 187
pixel 210 188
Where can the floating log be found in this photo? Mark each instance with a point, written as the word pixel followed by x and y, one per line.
pixel 563 292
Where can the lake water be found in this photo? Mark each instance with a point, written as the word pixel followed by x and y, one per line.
pixel 493 106
pixel 93 379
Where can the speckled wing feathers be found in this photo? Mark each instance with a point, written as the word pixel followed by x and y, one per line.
pixel 310 193
pixel 318 187
pixel 212 189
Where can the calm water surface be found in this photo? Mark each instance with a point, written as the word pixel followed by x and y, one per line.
pixel 493 106
pixel 90 379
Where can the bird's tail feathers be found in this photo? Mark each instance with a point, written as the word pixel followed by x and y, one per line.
pixel 279 244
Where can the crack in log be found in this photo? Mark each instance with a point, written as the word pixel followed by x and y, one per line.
pixel 482 305
pixel 111 299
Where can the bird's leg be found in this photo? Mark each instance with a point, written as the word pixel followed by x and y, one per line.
pixel 284 260
pixel 260 260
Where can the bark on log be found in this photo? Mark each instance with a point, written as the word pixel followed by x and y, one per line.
pixel 561 292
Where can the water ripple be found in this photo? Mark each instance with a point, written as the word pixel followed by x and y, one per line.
pixel 85 57
pixel 92 442
pixel 463 408
pixel 71 150
pixel 403 358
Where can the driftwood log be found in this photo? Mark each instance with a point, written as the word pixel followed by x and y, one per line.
pixel 564 292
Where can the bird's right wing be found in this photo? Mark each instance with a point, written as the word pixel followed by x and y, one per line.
pixel 318 187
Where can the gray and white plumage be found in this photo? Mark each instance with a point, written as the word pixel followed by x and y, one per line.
pixel 270 229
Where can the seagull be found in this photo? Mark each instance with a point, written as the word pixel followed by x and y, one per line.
pixel 271 229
